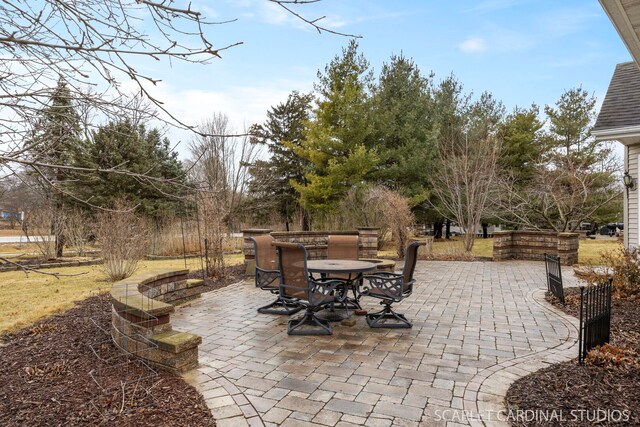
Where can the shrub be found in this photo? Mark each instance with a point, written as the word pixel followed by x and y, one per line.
pixel 376 207
pixel 123 236
pixel 77 230
pixel 41 222
pixel 397 212
pixel 623 265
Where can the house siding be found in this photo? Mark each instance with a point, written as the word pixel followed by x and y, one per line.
pixel 631 214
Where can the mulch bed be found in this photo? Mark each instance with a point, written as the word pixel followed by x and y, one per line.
pixel 596 393
pixel 232 274
pixel 45 375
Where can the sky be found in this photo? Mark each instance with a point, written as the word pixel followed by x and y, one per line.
pixel 521 51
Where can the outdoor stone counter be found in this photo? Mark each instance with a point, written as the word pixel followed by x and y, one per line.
pixel 532 245
pixel 141 323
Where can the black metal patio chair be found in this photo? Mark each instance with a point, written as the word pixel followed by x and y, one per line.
pixel 268 276
pixel 298 287
pixel 346 247
pixel 390 288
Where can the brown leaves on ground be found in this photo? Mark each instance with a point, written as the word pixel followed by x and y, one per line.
pixel 608 381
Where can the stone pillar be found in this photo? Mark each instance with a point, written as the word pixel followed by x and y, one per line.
pixel 502 245
pixel 247 248
pixel 368 241
pixel 568 248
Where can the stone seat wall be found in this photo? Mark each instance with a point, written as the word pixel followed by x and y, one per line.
pixel 141 318
pixel 532 245
pixel 314 241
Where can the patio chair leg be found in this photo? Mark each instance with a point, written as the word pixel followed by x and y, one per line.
pixel 309 319
pixel 380 319
pixel 280 307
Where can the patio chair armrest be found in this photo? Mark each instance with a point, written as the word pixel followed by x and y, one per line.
pixel 386 285
pixel 327 287
pixel 383 275
pixel 267 279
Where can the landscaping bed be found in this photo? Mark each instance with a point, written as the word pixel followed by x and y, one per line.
pixel 609 380
pixel 46 380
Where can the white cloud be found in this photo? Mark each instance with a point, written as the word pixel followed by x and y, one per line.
pixel 473 45
pixel 243 105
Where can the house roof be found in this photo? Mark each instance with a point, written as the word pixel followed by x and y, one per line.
pixel 621 106
pixel 625 17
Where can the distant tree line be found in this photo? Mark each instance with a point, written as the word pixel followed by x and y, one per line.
pixel 452 155
pixel 356 141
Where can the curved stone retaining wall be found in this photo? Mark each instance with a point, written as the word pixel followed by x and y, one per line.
pixel 532 245
pixel 141 322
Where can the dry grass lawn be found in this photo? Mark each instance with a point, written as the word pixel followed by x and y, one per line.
pixel 11 232
pixel 26 299
pixel 591 250
pixel 588 253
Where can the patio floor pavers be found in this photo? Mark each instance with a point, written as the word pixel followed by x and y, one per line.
pixel 477 327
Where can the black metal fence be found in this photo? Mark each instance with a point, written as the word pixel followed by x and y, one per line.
pixel 595 317
pixel 554 276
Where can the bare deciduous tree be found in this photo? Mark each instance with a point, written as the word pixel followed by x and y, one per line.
pixel 220 164
pixel 466 172
pixel 574 177
pixel 560 197
pixel 95 47
pixel 77 230
pixel 212 215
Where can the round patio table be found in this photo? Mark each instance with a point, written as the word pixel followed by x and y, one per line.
pixel 339 266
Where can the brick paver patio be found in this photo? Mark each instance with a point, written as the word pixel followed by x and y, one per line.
pixel 477 327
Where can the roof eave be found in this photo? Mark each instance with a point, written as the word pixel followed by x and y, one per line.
pixel 618 16
pixel 626 135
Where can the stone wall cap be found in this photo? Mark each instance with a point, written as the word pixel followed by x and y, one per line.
pixel 313 233
pixel 176 342
pixel 257 230
pixel 126 293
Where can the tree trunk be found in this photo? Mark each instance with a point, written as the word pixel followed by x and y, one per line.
pixel 485 231
pixel 306 221
pixel 437 230
pixel 448 229
pixel 60 240
pixel 469 238
pixel 58 228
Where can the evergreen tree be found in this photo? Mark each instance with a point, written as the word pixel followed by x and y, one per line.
pixel 56 142
pixel 131 148
pixel 338 140
pixel 521 145
pixel 574 176
pixel 403 122
pixel 272 180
